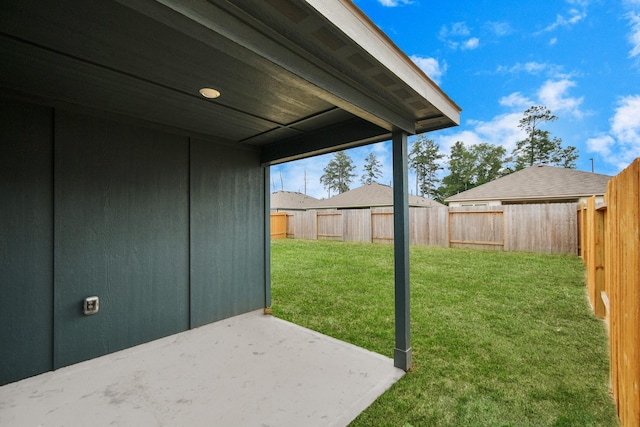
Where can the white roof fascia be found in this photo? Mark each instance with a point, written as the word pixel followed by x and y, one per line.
pixel 354 23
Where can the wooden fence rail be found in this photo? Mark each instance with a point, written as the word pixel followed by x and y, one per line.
pixel 610 248
pixel 550 228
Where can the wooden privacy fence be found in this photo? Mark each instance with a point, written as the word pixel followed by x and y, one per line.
pixel 278 225
pixel 478 228
pixel 548 228
pixel 610 248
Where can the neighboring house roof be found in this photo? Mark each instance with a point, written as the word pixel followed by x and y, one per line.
pixel 370 195
pixel 290 200
pixel 538 182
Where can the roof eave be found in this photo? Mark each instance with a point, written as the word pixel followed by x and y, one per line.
pixel 355 24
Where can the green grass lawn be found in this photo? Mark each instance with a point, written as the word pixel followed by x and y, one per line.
pixel 498 338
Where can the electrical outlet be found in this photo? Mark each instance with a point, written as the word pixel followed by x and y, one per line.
pixel 91 305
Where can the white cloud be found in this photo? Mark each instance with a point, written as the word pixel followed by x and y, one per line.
pixel 456 36
pixel 624 135
pixel 553 94
pixel 502 130
pixel 471 44
pixel 534 68
pixel 601 144
pixel 457 29
pixel 583 3
pixel 393 3
pixel 634 36
pixel 575 16
pixel 499 28
pixel 625 124
pixel 517 100
pixel 469 137
pixel 431 67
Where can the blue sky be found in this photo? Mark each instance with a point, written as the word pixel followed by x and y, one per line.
pixel 580 58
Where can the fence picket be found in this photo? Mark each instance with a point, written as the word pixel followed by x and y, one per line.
pixel 610 248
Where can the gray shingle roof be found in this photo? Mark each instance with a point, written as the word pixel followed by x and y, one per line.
pixel 283 200
pixel 371 195
pixel 538 182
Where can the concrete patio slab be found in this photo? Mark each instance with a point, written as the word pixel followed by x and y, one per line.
pixel 249 370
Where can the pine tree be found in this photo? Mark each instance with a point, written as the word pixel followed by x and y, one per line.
pixel 539 147
pixel 338 173
pixel 423 159
pixel 372 169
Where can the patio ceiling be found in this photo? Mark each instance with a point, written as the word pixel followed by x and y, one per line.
pixel 296 78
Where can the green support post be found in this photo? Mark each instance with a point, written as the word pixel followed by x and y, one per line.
pixel 267 239
pixel 402 352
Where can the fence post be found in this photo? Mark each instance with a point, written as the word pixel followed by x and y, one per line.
pixel 594 249
pixel 582 209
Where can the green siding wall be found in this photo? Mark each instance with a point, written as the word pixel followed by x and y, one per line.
pixel 227 232
pixel 121 233
pixel 26 240
pixel 166 230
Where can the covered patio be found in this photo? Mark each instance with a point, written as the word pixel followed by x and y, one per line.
pixel 134 178
pixel 248 370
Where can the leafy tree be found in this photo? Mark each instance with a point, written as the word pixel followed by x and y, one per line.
pixel 473 166
pixel 338 173
pixel 461 171
pixel 565 157
pixel 423 159
pixel 489 162
pixel 538 147
pixel 372 169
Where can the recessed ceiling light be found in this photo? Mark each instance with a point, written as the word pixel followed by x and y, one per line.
pixel 210 93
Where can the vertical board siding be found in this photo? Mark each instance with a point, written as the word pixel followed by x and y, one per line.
pixel 26 240
pixel 168 232
pixel 121 233
pixel 610 247
pixel 535 228
pixel 227 232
